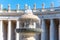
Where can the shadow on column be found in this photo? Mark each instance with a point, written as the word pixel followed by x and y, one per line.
pixel 13 30
pixel 47 25
pixel 47 29
pixel 5 24
pixel 56 21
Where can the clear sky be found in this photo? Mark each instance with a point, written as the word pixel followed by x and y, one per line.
pixel 29 2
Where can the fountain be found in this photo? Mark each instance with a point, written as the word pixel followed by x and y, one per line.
pixel 29 28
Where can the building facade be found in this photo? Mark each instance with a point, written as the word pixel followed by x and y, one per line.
pixel 50 22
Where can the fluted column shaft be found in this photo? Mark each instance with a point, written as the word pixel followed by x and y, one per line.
pixel 52 29
pixel 1 30
pixel 43 27
pixel 9 30
pixel 17 26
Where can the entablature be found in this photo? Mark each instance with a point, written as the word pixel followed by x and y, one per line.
pixel 41 15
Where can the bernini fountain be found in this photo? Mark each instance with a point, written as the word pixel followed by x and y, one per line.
pixel 28 27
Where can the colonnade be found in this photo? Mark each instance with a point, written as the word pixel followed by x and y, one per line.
pixel 53 30
pixel 8 33
pixel 7 30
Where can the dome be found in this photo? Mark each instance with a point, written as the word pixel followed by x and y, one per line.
pixel 29 15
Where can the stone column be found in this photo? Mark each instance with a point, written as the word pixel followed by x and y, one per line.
pixel 59 29
pixel 52 29
pixel 1 30
pixel 9 30
pixel 17 26
pixel 43 27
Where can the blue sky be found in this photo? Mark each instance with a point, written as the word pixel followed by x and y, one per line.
pixel 29 2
